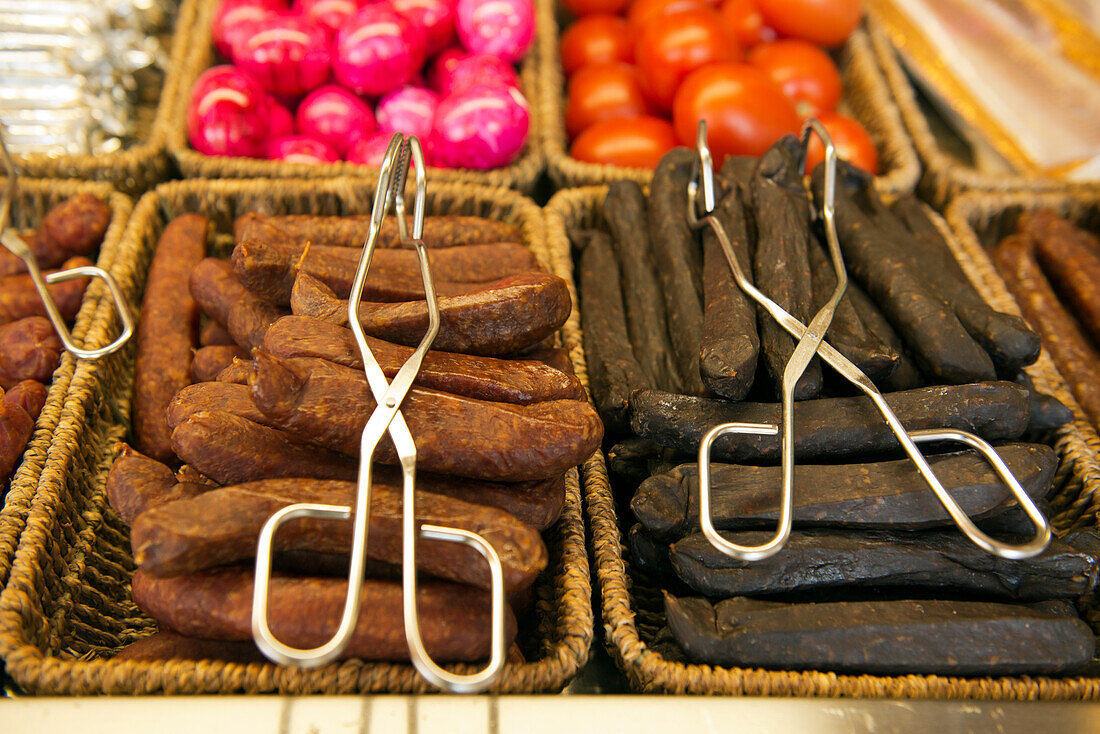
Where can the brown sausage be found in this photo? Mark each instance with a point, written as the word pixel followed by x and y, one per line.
pixel 503 317
pixel 19 298
pixel 1043 224
pixel 30 395
pixel 439 232
pixel 305 612
pixel 188 473
pixel 74 227
pixel 329 405
pixel 1071 350
pixel 485 378
pixel 224 397
pixel 167 332
pixel 1074 270
pixel 236 372
pixel 214 334
pixel 168 645
pixel 16 428
pixel 209 362
pixel 231 449
pixel 222 297
pixel 268 270
pixel 136 483
pixel 29 350
pixel 222 526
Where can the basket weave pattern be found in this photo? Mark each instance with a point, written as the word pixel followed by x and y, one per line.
pixel 521 174
pixel 865 94
pixel 35 198
pixel 67 607
pixel 632 612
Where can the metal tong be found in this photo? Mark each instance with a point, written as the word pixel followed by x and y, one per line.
pixel 15 244
pixel 810 342
pixel 386 418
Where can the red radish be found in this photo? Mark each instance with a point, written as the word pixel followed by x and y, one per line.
pixel 301 149
pixel 280 122
pixel 377 50
pixel 409 110
pixel 335 116
pixel 288 54
pixel 234 18
pixel 370 150
pixel 226 113
pixel 435 17
pixel 455 74
pixel 483 127
pixel 504 28
pixel 331 14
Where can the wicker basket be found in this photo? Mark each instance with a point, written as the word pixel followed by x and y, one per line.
pixel 945 175
pixel 632 612
pixel 521 174
pixel 67 607
pixel 145 163
pixel 865 94
pixel 34 199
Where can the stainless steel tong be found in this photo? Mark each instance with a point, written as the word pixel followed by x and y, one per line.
pixel 810 342
pixel 386 419
pixel 15 244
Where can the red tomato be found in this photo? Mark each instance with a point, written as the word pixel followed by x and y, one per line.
pixel 827 22
pixel 642 11
pixel 635 142
pixel 672 46
pixel 595 39
pixel 588 7
pixel 744 110
pixel 602 92
pixel 743 19
pixel 851 141
pixel 802 71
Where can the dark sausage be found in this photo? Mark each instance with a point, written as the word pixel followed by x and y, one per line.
pixel 167 332
pixel 831 426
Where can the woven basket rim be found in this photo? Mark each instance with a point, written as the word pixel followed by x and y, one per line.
pixel 945 176
pixel 145 161
pixel 520 174
pixel 564 652
pixel 24 481
pixel 648 671
pixel 570 172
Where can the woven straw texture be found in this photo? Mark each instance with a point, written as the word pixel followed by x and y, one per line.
pixel 866 97
pixel 137 167
pixel 944 175
pixel 67 608
pixel 521 174
pixel 34 199
pixel 633 612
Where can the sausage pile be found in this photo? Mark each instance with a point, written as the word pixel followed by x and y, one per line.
pixel 30 350
pixel 1053 267
pixel 247 375
pixel 675 347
